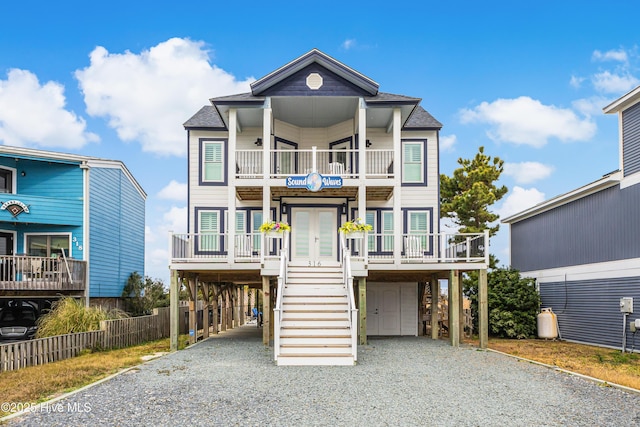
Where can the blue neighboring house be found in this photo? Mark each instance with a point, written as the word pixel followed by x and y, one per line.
pixel 583 247
pixel 69 225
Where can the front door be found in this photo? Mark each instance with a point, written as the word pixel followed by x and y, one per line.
pixel 383 310
pixel 314 236
pixel 6 243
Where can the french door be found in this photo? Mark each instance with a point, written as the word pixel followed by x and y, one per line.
pixel 314 236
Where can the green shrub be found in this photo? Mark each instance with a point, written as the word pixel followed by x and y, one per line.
pixel 69 315
pixel 513 303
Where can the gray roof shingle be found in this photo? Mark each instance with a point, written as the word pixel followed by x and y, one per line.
pixel 421 119
pixel 206 117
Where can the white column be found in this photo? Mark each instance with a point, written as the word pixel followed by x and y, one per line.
pixel 231 177
pixel 397 189
pixel 266 160
pixel 362 164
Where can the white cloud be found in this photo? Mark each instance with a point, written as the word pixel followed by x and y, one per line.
pixel 148 96
pixel 518 200
pixel 32 114
pixel 608 82
pixel 576 81
pixel 527 121
pixel 447 142
pixel 527 172
pixel 348 44
pixel 591 106
pixel 610 55
pixel 174 191
pixel 175 220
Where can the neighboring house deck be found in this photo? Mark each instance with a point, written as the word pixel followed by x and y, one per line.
pixel 316 144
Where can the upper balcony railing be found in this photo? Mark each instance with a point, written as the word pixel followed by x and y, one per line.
pixel 344 163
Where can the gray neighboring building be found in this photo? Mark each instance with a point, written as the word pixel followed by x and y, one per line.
pixel 583 247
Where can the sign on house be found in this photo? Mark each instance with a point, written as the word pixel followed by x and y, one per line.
pixel 314 181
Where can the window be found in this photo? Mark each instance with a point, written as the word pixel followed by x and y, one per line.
pixel 387 231
pixel 413 162
pixel 45 245
pixel 371 237
pixel 6 180
pixel 210 236
pixel 213 169
pixel 419 225
pixel 256 222
pixel 241 229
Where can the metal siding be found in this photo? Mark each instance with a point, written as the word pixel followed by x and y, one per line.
pixel 589 310
pixel 597 228
pixel 631 140
pixel 332 85
pixel 116 232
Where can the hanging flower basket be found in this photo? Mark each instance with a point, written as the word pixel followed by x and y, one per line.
pixel 355 229
pixel 274 230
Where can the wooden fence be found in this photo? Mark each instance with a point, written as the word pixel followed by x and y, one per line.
pixel 112 334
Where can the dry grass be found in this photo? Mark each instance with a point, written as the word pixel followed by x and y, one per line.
pixel 39 383
pixel 603 363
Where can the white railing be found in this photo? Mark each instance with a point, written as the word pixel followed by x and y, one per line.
pixel 249 164
pixel 348 283
pixel 214 247
pixel 423 248
pixel 373 248
pixel 282 282
pixel 344 163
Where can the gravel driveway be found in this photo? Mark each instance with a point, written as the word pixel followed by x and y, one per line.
pixel 411 381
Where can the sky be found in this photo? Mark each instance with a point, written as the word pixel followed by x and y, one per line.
pixel 117 80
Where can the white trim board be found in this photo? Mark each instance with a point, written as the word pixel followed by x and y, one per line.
pixel 603 270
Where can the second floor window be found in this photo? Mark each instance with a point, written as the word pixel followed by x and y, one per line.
pixel 413 162
pixel 213 161
pixel 6 181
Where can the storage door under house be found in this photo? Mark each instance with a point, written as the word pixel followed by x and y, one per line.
pixel 314 236
pixel 392 309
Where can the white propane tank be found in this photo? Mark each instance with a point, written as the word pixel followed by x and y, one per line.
pixel 547 324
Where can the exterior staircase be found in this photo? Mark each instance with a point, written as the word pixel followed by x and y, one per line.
pixel 315 327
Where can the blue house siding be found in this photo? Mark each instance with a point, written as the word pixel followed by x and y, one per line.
pixel 589 310
pixel 598 228
pixel 631 140
pixel 116 228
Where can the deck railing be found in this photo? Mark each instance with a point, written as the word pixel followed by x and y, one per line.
pixel 344 163
pixel 23 272
pixel 416 247
pixel 348 283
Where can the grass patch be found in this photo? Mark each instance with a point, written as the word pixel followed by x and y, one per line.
pixel 606 364
pixel 39 383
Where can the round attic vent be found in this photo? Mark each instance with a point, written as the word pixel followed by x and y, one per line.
pixel 314 81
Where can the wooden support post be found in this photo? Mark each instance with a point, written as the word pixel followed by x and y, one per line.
pixel 454 308
pixel 214 306
pixel 435 307
pixel 206 306
pixel 229 295
pixel 193 324
pixel 241 308
pixel 223 308
pixel 483 309
pixel 461 307
pixel 174 310
pixel 266 310
pixel 362 310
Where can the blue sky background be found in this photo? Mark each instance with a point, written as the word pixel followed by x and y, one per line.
pixel 117 80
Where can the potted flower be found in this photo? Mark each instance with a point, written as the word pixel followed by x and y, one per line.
pixel 274 229
pixel 355 229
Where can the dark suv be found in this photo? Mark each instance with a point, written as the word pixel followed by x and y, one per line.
pixel 18 323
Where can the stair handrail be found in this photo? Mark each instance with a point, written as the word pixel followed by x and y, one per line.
pixel 282 281
pixel 348 283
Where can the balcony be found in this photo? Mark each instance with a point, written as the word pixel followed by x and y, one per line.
pixel 429 248
pixel 29 273
pixel 344 163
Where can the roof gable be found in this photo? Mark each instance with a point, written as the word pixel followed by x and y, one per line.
pixel 294 70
